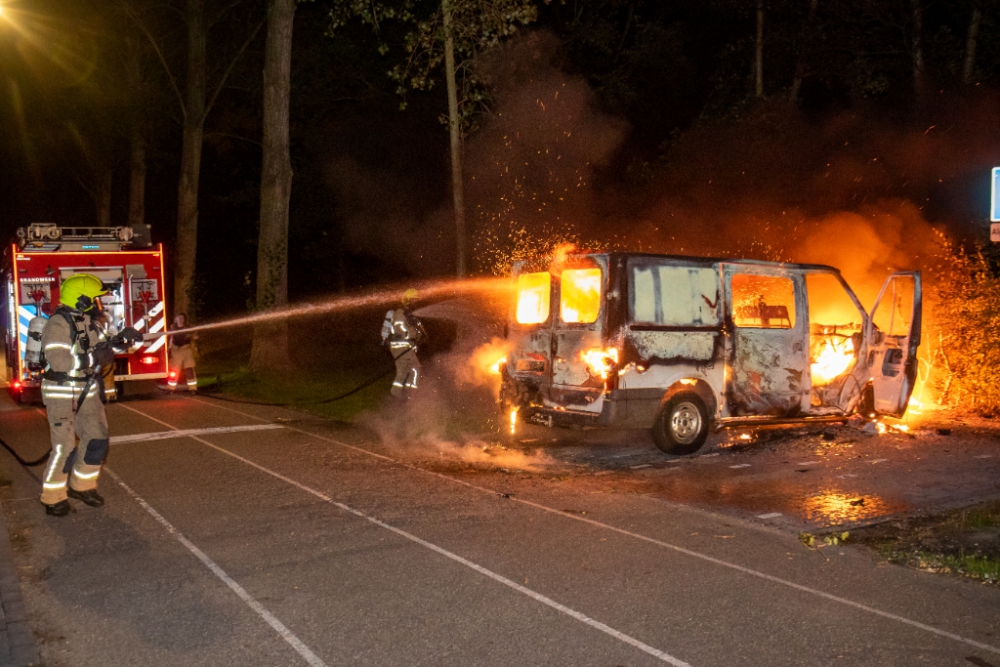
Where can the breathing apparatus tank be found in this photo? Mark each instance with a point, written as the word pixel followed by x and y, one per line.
pixel 33 348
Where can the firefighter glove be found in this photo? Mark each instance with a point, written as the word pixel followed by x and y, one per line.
pixel 126 338
pixel 102 354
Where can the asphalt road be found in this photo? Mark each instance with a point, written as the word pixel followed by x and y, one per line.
pixel 243 535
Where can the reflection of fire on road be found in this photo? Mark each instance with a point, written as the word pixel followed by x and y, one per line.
pixel 834 507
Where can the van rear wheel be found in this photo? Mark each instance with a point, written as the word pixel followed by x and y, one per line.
pixel 682 425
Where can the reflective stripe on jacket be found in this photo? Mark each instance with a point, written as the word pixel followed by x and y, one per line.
pixel 69 354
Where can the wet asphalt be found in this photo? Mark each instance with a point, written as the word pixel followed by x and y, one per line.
pixel 305 542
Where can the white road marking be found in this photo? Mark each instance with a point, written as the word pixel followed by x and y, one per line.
pixel 166 435
pixel 268 617
pixel 642 465
pixel 879 461
pixel 583 618
pixel 807 463
pixel 740 465
pixel 847 476
pixel 695 554
pixel 984 456
pixel 769 515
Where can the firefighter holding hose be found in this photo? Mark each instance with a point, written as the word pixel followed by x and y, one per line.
pixel 76 348
pixel 402 332
pixel 182 354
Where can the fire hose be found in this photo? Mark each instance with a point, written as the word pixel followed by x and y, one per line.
pixel 363 385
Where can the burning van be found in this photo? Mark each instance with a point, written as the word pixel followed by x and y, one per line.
pixel 685 345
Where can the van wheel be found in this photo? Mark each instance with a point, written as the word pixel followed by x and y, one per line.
pixel 682 425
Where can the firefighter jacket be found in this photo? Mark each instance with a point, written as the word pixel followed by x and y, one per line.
pixel 402 331
pixel 68 342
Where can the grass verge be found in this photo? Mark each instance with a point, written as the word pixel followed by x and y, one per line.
pixel 309 391
pixel 962 542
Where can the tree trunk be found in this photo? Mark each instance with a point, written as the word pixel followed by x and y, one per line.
pixel 102 197
pixel 917 47
pixel 455 130
pixel 186 249
pixel 970 45
pixel 137 177
pixel 270 340
pixel 758 54
pixel 804 47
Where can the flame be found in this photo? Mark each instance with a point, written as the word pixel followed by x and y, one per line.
pixel 513 421
pixel 483 365
pixel 834 358
pixel 495 368
pixel 533 294
pixel 559 254
pixel 600 362
pixel 580 295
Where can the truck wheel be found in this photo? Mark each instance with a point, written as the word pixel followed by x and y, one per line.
pixel 682 425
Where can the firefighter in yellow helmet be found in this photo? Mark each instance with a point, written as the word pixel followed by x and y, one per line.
pixel 402 332
pixel 76 347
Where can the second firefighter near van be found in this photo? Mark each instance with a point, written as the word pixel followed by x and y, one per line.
pixel 76 349
pixel 402 332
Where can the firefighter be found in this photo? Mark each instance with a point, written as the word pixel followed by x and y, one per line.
pixel 76 348
pixel 182 356
pixel 402 332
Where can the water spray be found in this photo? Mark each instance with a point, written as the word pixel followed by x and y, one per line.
pixel 433 289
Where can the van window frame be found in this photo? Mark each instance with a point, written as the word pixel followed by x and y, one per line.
pixel 641 261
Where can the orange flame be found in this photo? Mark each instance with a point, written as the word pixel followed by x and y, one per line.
pixel 580 299
pixel 483 366
pixel 600 362
pixel 835 358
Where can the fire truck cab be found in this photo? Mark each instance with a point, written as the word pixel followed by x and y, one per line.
pixel 125 260
pixel 685 345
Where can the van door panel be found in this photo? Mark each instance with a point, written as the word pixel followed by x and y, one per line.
pixel 769 357
pixel 893 337
pixel 574 383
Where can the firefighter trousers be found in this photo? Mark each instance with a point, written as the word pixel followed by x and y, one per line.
pixel 407 372
pixel 67 463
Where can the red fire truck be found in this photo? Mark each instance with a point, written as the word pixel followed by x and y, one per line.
pixel 126 261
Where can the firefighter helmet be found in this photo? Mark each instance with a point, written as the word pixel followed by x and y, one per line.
pixel 80 290
pixel 409 296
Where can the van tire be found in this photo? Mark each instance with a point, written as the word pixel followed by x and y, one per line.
pixel 682 425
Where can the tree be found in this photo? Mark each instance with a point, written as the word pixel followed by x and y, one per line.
pixel 971 37
pixel 453 33
pixel 270 341
pixel 195 104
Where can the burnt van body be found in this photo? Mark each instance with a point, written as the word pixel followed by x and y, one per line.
pixel 685 345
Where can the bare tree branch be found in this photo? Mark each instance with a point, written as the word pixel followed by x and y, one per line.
pixel 159 53
pixel 229 68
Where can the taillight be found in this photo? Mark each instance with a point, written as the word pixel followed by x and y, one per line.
pixel 17 385
pixel 172 375
pixel 149 359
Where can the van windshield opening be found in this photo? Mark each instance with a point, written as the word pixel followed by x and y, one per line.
pixel 533 297
pixel 580 301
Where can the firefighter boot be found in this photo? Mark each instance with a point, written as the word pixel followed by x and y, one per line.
pixel 89 497
pixel 60 508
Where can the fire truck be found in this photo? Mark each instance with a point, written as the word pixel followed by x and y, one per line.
pixel 126 261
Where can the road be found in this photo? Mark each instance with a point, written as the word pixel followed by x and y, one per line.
pixel 255 535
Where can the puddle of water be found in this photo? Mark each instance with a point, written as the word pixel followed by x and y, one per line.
pixel 834 507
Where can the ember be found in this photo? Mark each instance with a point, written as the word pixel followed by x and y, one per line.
pixel 513 421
